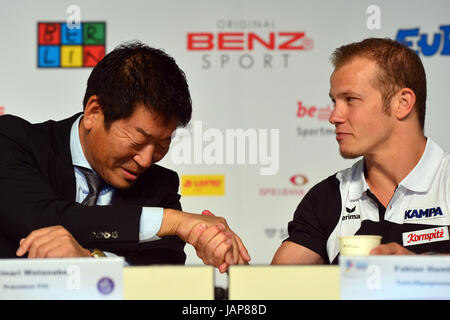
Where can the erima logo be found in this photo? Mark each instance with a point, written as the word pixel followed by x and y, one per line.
pixel 423 213
pixel 350 215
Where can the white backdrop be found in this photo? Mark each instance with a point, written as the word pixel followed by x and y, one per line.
pixel 258 88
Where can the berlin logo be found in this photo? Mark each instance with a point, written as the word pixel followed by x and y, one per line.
pixel 70 44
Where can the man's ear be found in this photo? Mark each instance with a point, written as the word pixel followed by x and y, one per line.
pixel 404 103
pixel 92 113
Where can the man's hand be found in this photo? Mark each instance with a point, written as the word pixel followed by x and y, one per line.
pixel 392 248
pixel 211 237
pixel 51 242
pixel 204 240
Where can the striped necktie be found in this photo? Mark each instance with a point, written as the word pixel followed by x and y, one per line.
pixel 94 184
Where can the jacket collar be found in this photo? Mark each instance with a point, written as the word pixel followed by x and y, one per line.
pixel 422 176
pixel 61 135
pixel 76 151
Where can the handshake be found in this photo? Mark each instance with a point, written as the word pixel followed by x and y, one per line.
pixel 215 243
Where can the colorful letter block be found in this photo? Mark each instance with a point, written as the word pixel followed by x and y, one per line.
pixel 64 46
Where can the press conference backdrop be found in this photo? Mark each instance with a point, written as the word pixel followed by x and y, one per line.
pixel 258 72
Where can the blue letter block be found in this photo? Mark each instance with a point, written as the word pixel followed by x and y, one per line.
pixel 48 56
pixel 71 36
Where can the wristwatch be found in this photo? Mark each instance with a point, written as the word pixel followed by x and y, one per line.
pixel 96 253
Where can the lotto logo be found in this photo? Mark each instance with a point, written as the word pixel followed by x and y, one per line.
pixel 62 46
pixel 202 185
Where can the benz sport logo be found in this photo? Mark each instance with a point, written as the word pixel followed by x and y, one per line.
pixel 247 41
pixel 425 236
pixel 248 44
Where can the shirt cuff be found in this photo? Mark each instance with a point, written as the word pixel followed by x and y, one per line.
pixel 151 220
pixel 113 255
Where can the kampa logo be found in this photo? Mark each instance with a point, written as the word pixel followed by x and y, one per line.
pixel 423 213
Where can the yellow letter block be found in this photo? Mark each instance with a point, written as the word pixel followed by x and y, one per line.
pixel 71 56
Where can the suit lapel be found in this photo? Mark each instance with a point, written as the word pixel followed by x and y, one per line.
pixel 61 135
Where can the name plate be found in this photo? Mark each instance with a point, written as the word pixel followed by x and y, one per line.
pixel 63 279
pixel 283 282
pixel 395 277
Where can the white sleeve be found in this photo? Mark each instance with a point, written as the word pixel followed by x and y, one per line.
pixel 151 219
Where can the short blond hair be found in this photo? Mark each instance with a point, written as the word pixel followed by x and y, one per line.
pixel 399 67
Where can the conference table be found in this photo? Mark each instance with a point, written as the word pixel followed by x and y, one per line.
pixel 259 282
pixel 355 278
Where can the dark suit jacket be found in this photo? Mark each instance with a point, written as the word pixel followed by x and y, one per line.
pixel 37 189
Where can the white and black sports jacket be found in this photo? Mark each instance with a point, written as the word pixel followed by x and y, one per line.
pixel 417 216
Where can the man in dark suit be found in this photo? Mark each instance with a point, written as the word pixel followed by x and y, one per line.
pixel 89 185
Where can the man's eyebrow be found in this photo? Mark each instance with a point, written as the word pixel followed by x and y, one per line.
pixel 142 131
pixel 148 135
pixel 345 93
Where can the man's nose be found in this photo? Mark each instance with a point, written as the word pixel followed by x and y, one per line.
pixel 144 158
pixel 336 115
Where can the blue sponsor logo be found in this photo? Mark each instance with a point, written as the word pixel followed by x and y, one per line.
pixel 428 44
pixel 423 213
pixel 105 285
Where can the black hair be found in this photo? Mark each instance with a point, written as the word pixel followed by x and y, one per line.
pixel 136 73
